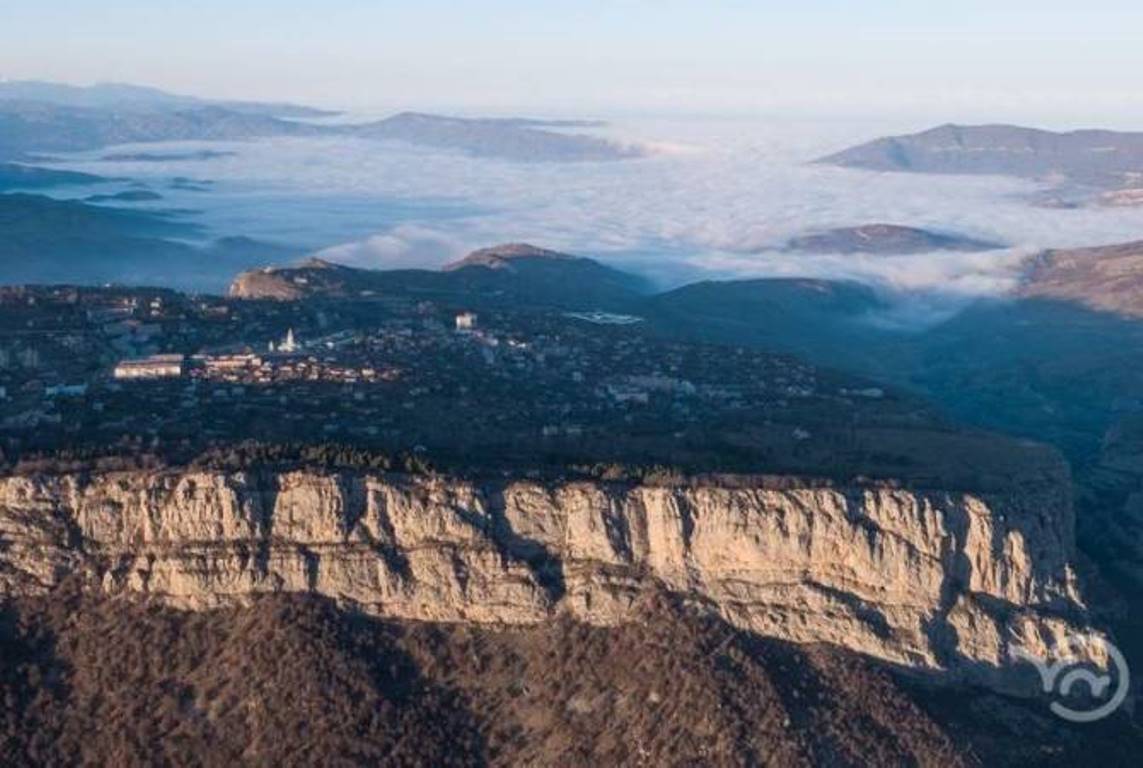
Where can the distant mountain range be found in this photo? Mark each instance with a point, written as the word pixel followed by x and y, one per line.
pixel 20 176
pixel 136 98
pixel 508 138
pixel 1107 279
pixel 885 239
pixel 1073 318
pixel 36 126
pixel 1106 160
pixel 58 241
pixel 46 117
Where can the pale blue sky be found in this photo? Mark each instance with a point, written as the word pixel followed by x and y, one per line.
pixel 1047 59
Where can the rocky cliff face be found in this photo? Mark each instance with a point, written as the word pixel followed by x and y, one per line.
pixel 927 580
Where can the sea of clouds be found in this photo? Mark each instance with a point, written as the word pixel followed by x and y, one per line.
pixel 715 199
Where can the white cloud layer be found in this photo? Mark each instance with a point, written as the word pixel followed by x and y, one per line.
pixel 718 200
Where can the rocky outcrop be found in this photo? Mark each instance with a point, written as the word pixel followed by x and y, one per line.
pixel 928 580
pixel 1105 279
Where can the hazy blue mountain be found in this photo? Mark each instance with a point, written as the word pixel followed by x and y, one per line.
pixel 126 196
pixel 885 239
pixel 1096 157
pixel 33 126
pixel 826 320
pixel 1061 358
pixel 511 138
pixel 20 176
pixel 55 241
pixel 166 157
pixel 29 126
pixel 123 96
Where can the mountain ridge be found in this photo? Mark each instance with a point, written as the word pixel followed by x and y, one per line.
pixel 105 95
pixel 1100 158
pixel 510 273
pixel 40 119
pixel 885 239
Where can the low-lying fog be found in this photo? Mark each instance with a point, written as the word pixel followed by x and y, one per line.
pixel 716 199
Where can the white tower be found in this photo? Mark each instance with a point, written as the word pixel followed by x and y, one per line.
pixel 290 344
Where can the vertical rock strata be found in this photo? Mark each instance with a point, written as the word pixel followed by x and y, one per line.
pixel 936 581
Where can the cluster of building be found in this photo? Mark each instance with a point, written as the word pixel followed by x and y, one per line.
pixel 393 377
pixel 258 369
pixel 287 361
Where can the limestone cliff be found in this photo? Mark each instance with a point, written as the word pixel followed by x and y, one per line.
pixel 936 581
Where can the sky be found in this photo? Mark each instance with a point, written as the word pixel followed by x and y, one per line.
pixel 1045 61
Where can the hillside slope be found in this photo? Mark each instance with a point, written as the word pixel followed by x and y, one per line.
pixel 512 275
pixel 1107 278
pixel 68 241
pixel 291 681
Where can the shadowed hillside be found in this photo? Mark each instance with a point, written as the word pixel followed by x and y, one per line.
pixel 58 241
pixel 296 681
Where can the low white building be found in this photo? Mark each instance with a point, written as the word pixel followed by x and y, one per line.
pixel 153 367
pixel 223 363
pixel 466 321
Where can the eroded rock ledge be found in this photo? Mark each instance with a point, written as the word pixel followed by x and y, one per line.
pixel 928 580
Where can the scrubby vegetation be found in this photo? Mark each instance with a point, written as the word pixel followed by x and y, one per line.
pixel 296 681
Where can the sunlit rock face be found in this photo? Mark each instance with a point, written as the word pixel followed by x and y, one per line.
pixel 940 582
